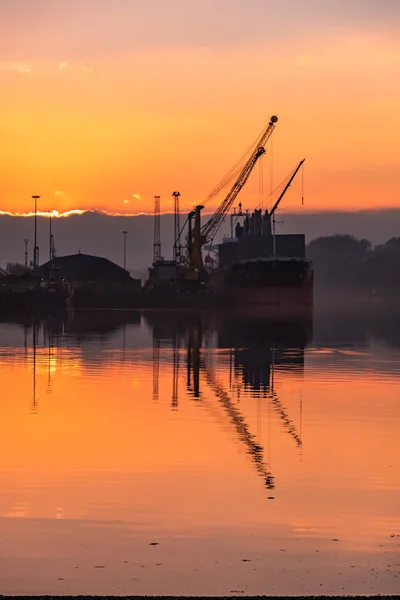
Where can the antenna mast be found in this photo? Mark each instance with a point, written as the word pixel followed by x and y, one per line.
pixel 177 229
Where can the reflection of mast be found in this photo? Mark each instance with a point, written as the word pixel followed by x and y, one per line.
pixel 156 366
pixel 49 363
pixel 194 345
pixel 50 340
pixel 34 341
pixel 175 376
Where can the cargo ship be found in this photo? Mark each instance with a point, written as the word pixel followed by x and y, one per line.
pixel 258 268
pixel 254 268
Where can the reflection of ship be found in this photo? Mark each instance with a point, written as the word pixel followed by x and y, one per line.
pixel 255 350
pixel 257 347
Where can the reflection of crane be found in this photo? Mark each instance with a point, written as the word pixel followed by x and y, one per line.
pixel 195 366
pixel 254 381
pixel 255 451
pixel 206 234
pixel 290 426
pixel 280 409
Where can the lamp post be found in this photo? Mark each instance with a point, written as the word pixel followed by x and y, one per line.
pixel 35 248
pixel 26 251
pixel 125 232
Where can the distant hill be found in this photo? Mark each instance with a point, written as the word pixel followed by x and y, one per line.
pixel 101 235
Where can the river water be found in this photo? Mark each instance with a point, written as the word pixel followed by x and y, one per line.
pixel 178 453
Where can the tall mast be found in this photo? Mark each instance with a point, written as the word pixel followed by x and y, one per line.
pixel 177 228
pixel 35 246
pixel 157 230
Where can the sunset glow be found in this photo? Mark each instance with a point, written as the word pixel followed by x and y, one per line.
pixel 106 104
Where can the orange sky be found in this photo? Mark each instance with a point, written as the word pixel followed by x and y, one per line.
pixel 95 115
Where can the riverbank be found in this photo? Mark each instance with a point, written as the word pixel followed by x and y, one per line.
pixel 231 597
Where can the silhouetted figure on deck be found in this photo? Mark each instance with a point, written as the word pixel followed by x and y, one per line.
pixel 267 224
pixel 238 230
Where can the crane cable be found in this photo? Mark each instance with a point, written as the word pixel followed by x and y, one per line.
pixel 280 186
pixel 233 172
pixel 271 166
pixel 274 192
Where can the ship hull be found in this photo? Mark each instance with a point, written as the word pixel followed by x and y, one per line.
pixel 277 302
pixel 281 288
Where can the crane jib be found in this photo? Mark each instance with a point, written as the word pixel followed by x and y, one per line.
pixel 210 229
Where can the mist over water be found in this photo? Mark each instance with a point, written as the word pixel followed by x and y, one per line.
pixel 200 453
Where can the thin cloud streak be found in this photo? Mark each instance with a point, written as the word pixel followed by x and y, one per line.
pixel 78 211
pixel 23 69
pixel 52 213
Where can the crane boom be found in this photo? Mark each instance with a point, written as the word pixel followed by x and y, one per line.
pixel 285 189
pixel 209 230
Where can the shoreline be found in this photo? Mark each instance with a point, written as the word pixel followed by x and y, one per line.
pixel 232 597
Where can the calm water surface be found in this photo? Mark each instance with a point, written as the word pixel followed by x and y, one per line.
pixel 182 454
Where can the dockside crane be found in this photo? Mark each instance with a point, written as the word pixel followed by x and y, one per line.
pixel 206 234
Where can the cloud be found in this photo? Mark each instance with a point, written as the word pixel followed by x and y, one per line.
pixel 79 211
pixel 52 213
pixel 66 65
pixel 59 193
pixel 23 69
pixel 126 201
pixel 136 196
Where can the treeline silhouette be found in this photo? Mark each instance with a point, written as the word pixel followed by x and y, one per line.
pixel 343 262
